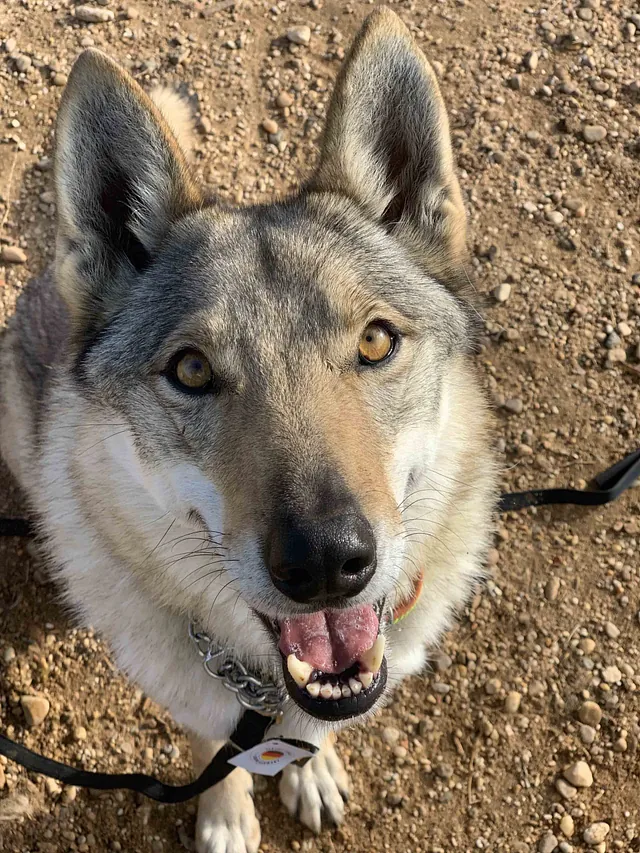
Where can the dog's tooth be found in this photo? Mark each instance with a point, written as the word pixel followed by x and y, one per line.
pixel 372 658
pixel 299 670
pixel 337 692
pixel 366 678
pixel 345 691
pixel 313 689
pixel 326 691
pixel 355 686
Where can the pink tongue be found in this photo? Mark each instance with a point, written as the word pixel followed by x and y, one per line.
pixel 330 640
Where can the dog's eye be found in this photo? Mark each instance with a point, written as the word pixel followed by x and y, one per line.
pixel 376 344
pixel 191 371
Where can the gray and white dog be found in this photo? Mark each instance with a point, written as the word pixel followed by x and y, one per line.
pixel 266 419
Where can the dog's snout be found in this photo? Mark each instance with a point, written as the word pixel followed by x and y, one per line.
pixel 322 559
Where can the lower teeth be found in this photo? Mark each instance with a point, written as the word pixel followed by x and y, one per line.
pixel 328 690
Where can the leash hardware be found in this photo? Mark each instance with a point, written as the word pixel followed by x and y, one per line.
pixel 251 691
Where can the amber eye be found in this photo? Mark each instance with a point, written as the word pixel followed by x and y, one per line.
pixel 191 371
pixel 376 344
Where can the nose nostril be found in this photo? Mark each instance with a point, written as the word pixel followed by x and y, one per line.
pixel 356 565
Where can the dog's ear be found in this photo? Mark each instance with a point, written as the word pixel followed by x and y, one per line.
pixel 386 143
pixel 121 182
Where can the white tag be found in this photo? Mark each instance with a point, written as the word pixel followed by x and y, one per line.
pixel 269 757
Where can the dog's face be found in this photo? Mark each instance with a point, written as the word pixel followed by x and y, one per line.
pixel 279 368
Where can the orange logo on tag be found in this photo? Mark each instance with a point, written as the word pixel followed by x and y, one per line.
pixel 271 755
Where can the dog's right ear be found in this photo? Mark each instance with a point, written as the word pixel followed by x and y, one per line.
pixel 121 182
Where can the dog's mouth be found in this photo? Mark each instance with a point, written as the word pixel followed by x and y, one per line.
pixel 333 660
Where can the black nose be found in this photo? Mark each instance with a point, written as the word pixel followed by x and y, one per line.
pixel 323 558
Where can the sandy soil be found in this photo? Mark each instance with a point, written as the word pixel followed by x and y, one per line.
pixel 545 111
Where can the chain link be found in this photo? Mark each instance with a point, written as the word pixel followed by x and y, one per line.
pixel 251 692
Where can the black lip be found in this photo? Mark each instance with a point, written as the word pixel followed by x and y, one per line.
pixel 337 709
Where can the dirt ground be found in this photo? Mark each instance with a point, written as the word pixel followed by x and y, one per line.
pixel 543 670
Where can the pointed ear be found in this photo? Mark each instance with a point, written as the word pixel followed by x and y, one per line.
pixel 121 182
pixel 387 146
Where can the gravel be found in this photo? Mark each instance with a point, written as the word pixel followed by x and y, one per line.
pixel 468 773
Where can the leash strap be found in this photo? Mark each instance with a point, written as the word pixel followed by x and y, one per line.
pixel 16 527
pixel 609 485
pixel 249 732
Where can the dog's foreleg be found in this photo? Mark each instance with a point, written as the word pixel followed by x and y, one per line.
pixel 320 786
pixel 227 820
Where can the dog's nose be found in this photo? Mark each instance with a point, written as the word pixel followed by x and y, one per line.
pixel 322 559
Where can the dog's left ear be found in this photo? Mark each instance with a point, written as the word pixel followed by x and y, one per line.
pixel 387 146
pixel 121 183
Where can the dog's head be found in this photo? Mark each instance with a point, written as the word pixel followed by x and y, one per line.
pixel 280 368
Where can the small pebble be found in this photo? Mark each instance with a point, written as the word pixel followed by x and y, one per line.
pixel 270 126
pixel 502 292
pixel 555 217
pixel 284 99
pixel 35 709
pixel 552 588
pixel 590 713
pixel 611 631
pixel 567 825
pixel 514 406
pixel 80 733
pixel 596 833
pixel 579 774
pixel 611 674
pixel 299 35
pixel 13 255
pixel 52 786
pixel 587 734
pixel 593 133
pixel 547 843
pixel 587 645
pixel 390 735
pixel 91 15
pixel 22 63
pixel 567 791
pixel 512 702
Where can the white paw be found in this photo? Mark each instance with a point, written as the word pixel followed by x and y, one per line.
pixel 316 790
pixel 227 821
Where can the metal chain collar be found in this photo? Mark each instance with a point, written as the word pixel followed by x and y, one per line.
pixel 251 692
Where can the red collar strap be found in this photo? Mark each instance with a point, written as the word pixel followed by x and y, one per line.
pixel 405 607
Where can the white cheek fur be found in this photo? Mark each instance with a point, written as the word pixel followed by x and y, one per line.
pixel 176 488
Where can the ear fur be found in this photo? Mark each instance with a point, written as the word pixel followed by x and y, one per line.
pixel 121 181
pixel 387 146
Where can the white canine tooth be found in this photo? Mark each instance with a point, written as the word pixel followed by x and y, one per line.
pixel 355 686
pixel 372 658
pixel 326 691
pixel 299 670
pixel 345 691
pixel 313 689
pixel 337 693
pixel 366 678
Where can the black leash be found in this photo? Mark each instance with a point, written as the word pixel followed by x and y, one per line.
pixel 607 486
pixel 16 527
pixel 252 727
pixel 248 733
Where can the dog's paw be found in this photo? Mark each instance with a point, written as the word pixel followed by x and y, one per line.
pixel 317 790
pixel 227 821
